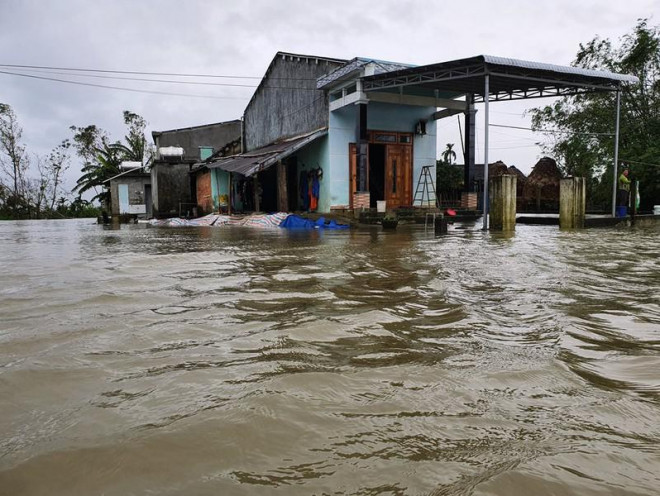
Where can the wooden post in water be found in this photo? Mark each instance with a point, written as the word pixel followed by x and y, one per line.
pixel 256 188
pixel 634 187
pixel 282 195
pixel 503 203
pixel 572 202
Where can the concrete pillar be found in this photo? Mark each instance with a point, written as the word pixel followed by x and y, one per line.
pixel 572 202
pixel 503 203
pixel 362 146
pixel 470 141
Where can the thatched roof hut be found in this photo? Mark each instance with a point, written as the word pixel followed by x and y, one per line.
pixel 498 168
pixel 543 182
pixel 521 179
pixel 513 170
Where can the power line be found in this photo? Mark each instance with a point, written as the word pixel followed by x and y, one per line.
pixel 173 81
pixel 134 90
pixel 146 73
pixel 17 66
pixel 551 132
pixel 636 162
pixel 169 81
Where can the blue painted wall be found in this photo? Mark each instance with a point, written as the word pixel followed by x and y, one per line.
pixel 313 156
pixel 380 117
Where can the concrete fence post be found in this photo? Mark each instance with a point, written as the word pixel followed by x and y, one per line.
pixel 572 202
pixel 503 203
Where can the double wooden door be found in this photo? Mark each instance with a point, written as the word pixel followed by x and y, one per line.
pixel 397 173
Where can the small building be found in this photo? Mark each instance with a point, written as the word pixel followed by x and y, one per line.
pixel 177 151
pixel 212 185
pixel 130 192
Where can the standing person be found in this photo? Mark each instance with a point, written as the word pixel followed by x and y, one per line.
pixel 624 188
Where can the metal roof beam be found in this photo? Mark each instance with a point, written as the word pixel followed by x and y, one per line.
pixel 450 74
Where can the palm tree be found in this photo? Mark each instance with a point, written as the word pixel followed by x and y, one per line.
pixel 449 155
pixel 107 157
pixel 95 174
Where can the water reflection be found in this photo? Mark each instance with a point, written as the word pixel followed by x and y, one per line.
pixel 241 361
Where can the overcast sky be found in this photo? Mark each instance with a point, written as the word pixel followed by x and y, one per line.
pixel 240 38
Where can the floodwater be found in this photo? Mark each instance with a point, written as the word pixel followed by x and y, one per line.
pixel 222 361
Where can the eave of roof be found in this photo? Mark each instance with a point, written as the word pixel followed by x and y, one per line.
pixel 260 159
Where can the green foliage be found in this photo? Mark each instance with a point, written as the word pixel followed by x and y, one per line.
pixel 14 161
pixel 24 197
pixel 583 125
pixel 449 155
pixel 102 159
pixel 448 177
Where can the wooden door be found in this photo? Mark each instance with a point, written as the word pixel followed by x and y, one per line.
pixel 398 176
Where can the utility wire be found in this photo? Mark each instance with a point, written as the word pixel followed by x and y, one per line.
pixel 551 132
pixel 119 78
pixel 146 73
pixel 17 66
pixel 134 90
pixel 636 162
pixel 169 81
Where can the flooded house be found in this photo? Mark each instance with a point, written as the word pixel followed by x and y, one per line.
pixel 313 140
pixel 325 134
pixel 130 192
pixel 178 189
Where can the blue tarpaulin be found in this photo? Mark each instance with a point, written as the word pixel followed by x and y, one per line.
pixel 297 222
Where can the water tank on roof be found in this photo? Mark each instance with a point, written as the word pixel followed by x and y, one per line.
pixel 170 151
pixel 128 165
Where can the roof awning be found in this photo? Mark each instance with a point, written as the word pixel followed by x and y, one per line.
pixel 510 79
pixel 260 159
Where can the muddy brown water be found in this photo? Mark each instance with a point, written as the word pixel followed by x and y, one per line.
pixel 207 361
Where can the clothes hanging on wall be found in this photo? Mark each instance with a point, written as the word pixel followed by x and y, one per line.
pixel 314 191
pixel 304 190
pixel 314 187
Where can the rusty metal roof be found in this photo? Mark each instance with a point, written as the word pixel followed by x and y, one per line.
pixel 262 158
pixel 509 79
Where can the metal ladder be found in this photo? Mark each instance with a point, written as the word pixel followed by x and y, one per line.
pixel 425 189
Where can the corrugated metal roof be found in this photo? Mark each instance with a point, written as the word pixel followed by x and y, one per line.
pixel 380 67
pixel 526 64
pixel 260 159
pixel 509 79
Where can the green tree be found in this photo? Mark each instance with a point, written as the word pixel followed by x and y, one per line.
pixel 102 159
pixel 14 161
pixel 449 155
pixel 95 174
pixel 136 147
pixel 57 163
pixel 582 125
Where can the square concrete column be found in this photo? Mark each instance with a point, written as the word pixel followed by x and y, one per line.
pixel 503 203
pixel 572 202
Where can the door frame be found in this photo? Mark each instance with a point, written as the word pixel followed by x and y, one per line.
pixel 394 139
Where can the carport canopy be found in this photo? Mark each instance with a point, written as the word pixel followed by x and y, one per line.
pixel 485 78
pixel 509 79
